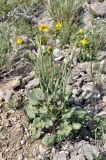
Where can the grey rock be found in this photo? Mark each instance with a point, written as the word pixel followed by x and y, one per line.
pixel 99 8
pixel 90 93
pixel 20 157
pixel 87 20
pixel 59 58
pixel 44 18
pixel 22 142
pixel 102 55
pixel 60 156
pixel 5 95
pixel 102 114
pixel 104 146
pixel 33 83
pixel 78 157
pixel 57 52
pixel 84 148
pixel 103 66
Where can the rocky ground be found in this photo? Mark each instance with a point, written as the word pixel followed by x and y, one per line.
pixel 15 138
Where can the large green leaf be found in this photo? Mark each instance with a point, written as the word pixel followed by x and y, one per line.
pixel 31 111
pixel 36 133
pixel 76 126
pixel 47 121
pixel 43 109
pixel 68 113
pixel 37 123
pixel 49 140
pixel 65 129
pixel 35 96
pixel 81 114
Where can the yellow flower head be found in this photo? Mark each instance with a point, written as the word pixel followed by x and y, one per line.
pixel 43 28
pixel 50 48
pixel 84 42
pixel 58 25
pixel 81 31
pixel 20 41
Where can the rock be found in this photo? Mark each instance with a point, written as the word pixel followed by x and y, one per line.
pixel 25 158
pixel 103 66
pixel 99 9
pixel 46 158
pixel 102 114
pixel 90 93
pixel 22 142
pixel 104 146
pixel 102 55
pixel 44 18
pixel 42 149
pixel 59 58
pixel 87 20
pixel 20 157
pixel 78 157
pixel 60 156
pixel 5 95
pixel 104 99
pixel 32 84
pixel 56 52
pixel 84 148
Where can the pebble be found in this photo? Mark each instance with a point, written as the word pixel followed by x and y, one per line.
pixel 20 157
pixel 60 156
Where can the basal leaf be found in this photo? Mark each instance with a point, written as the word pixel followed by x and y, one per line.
pixel 76 126
pixel 68 113
pixel 30 110
pixel 49 140
pixel 36 133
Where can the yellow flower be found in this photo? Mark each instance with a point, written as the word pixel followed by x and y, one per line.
pixel 43 28
pixel 84 42
pixel 50 48
pixel 58 25
pixel 81 31
pixel 20 41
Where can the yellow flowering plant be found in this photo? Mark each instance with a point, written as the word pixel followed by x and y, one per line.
pixel 86 41
pixel 81 31
pixel 47 104
pixel 50 48
pixel 43 28
pixel 58 25
pixel 20 41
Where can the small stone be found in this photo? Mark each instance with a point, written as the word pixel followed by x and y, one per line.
pixel 16 82
pixel 32 84
pixel 22 142
pixel 60 156
pixel 56 52
pixel 104 99
pixel 84 148
pixel 42 149
pixel 104 146
pixel 103 66
pixel 102 114
pixel 78 157
pixel 99 8
pixel 59 58
pixel 20 157
pixel 87 20
pixel 102 55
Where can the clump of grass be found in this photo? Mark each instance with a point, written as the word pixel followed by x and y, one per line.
pixel 4 45
pixel 64 11
pixel 6 6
